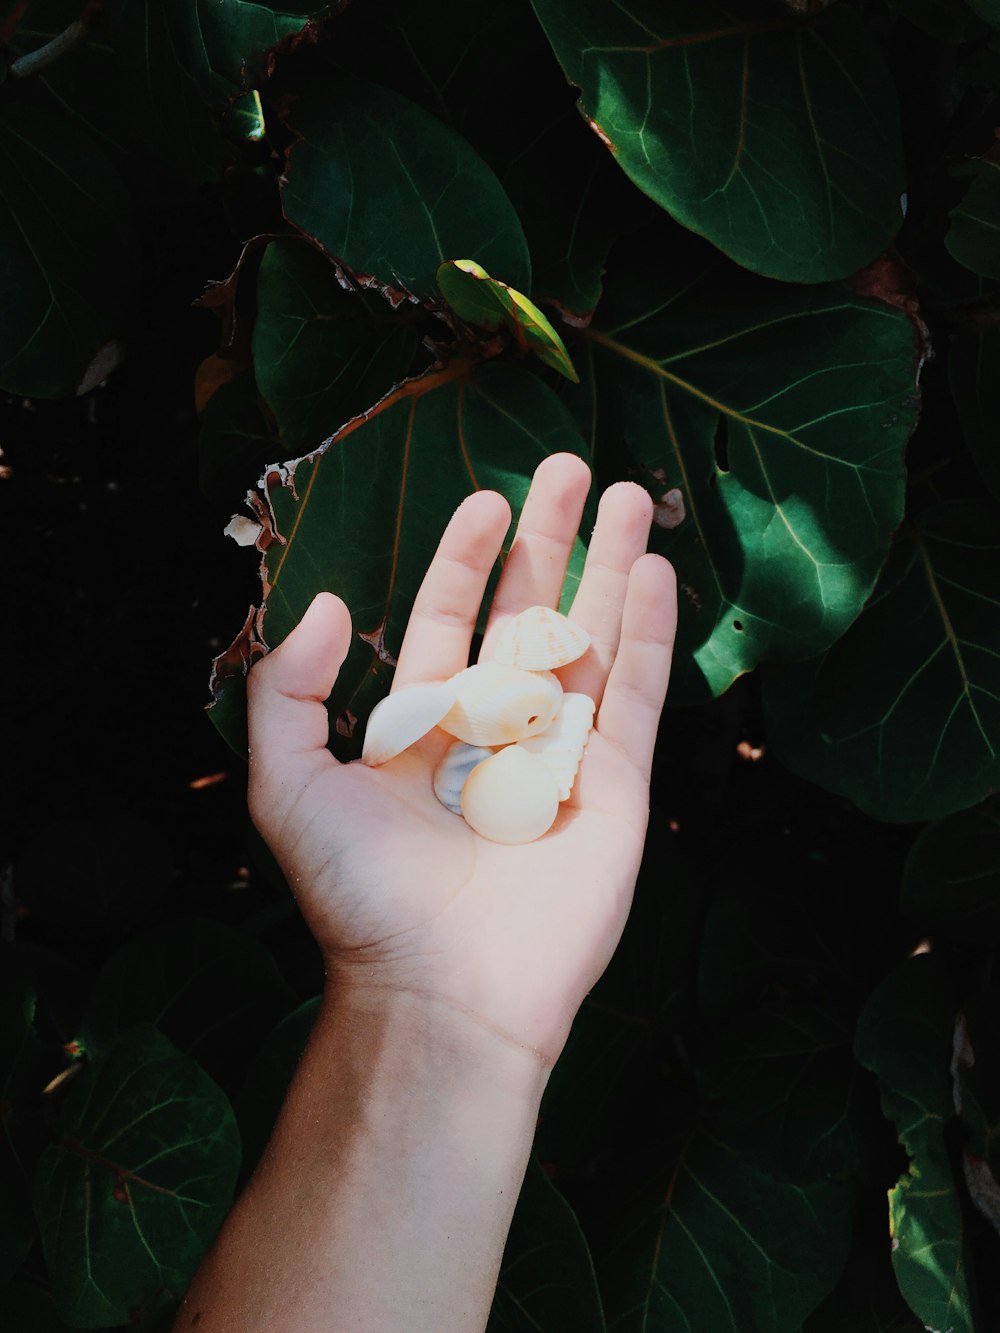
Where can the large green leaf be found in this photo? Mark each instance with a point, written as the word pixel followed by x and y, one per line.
pixel 547 1282
pixel 974 234
pixel 904 1036
pixel 903 714
pixel 363 515
pixel 185 60
pixel 775 136
pixel 952 880
pixel 792 1098
pixel 974 372
pixel 212 990
pixel 322 354
pixel 571 199
pixel 131 1195
pixel 67 252
pixel 365 155
pixel 727 1247
pixel 780 415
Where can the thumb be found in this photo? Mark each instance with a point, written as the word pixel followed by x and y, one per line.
pixel 287 689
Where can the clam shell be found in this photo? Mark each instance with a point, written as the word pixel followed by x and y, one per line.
pixel 403 717
pixel 540 639
pixel 450 775
pixel 511 797
pixel 495 705
pixel 561 747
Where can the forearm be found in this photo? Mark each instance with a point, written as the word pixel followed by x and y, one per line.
pixel 385 1196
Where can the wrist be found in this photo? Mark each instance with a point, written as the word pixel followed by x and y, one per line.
pixel 418 1037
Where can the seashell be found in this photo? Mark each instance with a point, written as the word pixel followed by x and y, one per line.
pixel 403 717
pixel 511 797
pixel 495 705
pixel 540 639
pixel 561 747
pixel 451 773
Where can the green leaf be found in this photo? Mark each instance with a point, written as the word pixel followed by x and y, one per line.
pixel 793 1101
pixel 366 155
pixel 973 238
pixel 322 354
pixel 479 299
pixel 775 136
pixel 867 1298
pixel 976 1071
pixel 725 1246
pixel 131 1196
pixel 947 20
pixel 903 714
pixel 363 515
pixel 185 60
pixel 547 1282
pixel 68 289
pixel 212 990
pixel 973 373
pixel 779 417
pixel 952 879
pixel 571 199
pixel 904 1036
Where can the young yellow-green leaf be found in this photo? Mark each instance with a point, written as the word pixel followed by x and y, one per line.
pixel 130 1196
pixel 774 134
pixel 391 191
pixel 725 1246
pixel 904 1036
pixel 481 300
pixel 903 713
pixel 973 237
pixel 778 418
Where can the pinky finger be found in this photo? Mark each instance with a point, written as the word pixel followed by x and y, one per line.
pixel 637 685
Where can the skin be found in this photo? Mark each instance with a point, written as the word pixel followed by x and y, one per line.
pixel 455 965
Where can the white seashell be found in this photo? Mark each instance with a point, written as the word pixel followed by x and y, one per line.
pixel 403 717
pixel 561 747
pixel 510 798
pixel 495 705
pixel 450 775
pixel 540 639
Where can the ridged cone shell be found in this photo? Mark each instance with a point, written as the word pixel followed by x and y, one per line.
pixel 561 747
pixel 540 639
pixel 453 770
pixel 496 705
pixel 510 798
pixel 400 719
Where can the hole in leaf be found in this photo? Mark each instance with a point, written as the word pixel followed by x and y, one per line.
pixel 721 444
pixel 737 624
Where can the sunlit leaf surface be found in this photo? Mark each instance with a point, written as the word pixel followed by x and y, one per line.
pixel 773 134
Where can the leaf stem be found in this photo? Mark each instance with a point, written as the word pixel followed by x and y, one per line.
pixel 46 55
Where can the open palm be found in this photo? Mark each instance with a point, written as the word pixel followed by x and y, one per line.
pixel 401 894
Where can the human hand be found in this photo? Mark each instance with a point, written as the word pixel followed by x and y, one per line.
pixel 404 899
